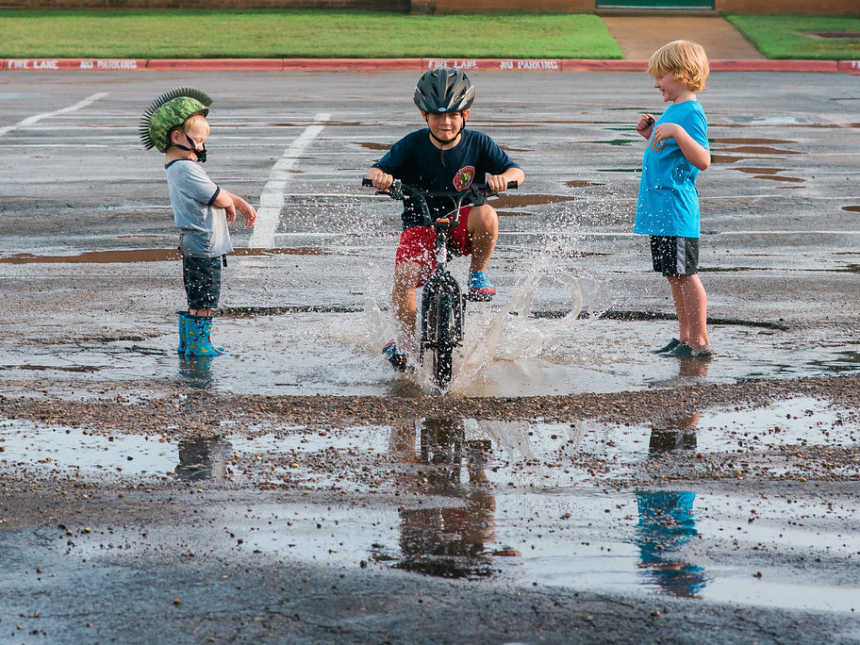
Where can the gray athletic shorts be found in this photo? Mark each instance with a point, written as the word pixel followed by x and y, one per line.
pixel 675 255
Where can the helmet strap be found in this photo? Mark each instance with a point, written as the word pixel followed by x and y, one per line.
pixel 200 154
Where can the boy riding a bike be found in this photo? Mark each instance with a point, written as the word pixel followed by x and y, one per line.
pixel 444 156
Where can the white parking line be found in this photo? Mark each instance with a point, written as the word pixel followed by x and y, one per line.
pixel 272 198
pixel 30 120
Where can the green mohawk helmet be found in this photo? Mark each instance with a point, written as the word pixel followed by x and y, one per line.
pixel 168 111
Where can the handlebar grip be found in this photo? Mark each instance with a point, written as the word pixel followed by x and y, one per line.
pixel 366 182
pixel 513 185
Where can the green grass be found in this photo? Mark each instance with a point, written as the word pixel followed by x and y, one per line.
pixel 786 36
pixel 295 33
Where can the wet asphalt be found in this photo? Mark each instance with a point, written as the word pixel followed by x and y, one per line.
pixel 728 522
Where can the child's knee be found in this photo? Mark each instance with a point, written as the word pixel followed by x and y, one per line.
pixel 483 218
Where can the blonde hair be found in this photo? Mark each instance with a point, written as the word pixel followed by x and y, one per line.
pixel 193 120
pixel 685 60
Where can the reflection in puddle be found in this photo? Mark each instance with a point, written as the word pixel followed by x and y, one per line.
pixel 457 494
pixel 203 459
pixel 666 523
pixel 449 538
pixel 666 520
pixel 196 371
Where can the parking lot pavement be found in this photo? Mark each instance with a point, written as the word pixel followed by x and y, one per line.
pixel 571 487
pixel 779 204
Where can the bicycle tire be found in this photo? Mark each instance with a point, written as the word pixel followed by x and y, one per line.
pixel 437 325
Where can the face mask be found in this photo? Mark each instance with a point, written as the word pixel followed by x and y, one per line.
pixel 201 154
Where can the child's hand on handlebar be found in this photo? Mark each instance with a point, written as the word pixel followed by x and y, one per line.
pixel 497 183
pixel 381 180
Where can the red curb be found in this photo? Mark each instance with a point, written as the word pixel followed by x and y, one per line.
pixel 416 64
pixel 849 66
pixel 773 66
pixel 350 64
pixel 604 65
pixel 219 64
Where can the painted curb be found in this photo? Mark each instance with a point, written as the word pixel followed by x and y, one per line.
pixel 849 66
pixel 774 66
pixel 211 64
pixel 409 64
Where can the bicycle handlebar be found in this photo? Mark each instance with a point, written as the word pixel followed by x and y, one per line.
pixel 408 190
pixel 474 195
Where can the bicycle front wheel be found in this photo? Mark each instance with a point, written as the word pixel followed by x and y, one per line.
pixel 437 318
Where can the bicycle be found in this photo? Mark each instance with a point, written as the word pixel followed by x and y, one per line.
pixel 443 303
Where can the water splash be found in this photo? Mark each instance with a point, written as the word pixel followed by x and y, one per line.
pixel 509 334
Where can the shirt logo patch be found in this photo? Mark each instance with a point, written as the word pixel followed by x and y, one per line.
pixel 463 178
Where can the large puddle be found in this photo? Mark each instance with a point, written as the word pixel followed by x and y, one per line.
pixel 589 506
pixel 503 355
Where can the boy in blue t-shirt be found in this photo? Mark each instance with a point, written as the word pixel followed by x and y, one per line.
pixel 668 206
pixel 442 157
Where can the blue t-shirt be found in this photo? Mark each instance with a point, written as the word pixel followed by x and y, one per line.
pixel 415 160
pixel 668 200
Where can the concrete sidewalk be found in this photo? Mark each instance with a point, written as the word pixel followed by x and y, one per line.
pixel 639 36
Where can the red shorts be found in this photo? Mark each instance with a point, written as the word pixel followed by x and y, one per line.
pixel 418 244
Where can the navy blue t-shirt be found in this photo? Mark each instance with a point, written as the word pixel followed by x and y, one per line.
pixel 415 160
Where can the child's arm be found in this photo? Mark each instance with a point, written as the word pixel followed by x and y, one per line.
pixel 695 152
pixel 499 183
pixel 230 202
pixel 248 211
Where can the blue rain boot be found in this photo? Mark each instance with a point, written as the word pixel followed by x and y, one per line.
pixel 197 341
pixel 183 332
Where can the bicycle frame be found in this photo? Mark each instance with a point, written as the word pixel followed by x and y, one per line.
pixel 442 302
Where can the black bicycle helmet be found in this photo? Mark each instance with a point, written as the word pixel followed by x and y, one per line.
pixel 444 90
